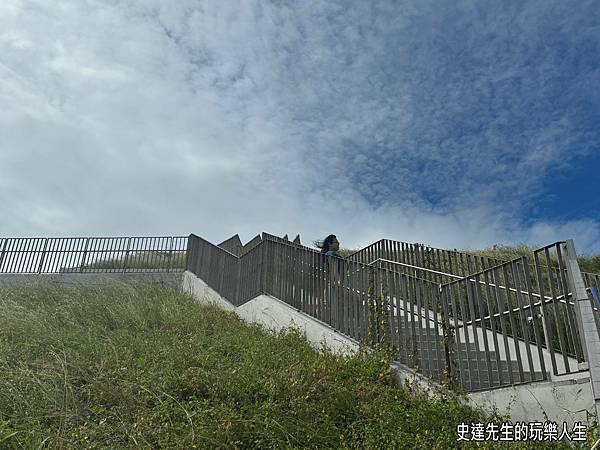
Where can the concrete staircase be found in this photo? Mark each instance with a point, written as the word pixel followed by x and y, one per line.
pixel 472 364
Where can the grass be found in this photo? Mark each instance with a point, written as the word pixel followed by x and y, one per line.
pixel 345 252
pixel 118 366
pixel 140 260
pixel 587 263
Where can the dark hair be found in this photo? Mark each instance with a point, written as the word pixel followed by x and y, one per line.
pixel 324 245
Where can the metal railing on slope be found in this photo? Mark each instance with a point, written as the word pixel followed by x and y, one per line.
pixel 92 254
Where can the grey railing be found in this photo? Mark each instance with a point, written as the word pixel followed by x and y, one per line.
pixel 518 314
pixel 503 324
pixel 477 321
pixel 92 254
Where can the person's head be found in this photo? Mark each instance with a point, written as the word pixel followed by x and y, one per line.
pixel 329 243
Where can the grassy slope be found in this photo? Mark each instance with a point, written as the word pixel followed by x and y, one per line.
pixel 588 263
pixel 114 367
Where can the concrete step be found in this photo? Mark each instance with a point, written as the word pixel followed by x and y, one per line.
pixel 483 377
pixel 482 366
pixel 472 363
pixel 432 345
pixel 484 384
pixel 475 380
pixel 462 348
pixel 432 339
pixel 483 374
pixel 465 364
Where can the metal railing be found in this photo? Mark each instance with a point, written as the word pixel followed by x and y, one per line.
pixel 424 259
pixel 483 322
pixel 544 280
pixel 333 291
pixel 92 254
pixel 503 324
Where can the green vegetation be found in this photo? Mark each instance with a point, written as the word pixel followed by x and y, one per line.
pixel 118 366
pixel 141 260
pixel 587 263
pixel 345 252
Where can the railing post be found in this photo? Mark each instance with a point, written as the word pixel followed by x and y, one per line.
pixel 448 335
pixel 372 309
pixel 188 251
pixel 126 254
pixel 170 255
pixel 43 256
pixel 238 281
pixel 3 253
pixel 588 332
pixel 87 241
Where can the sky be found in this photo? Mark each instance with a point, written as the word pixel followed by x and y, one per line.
pixel 458 124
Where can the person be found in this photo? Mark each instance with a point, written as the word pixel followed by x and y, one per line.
pixel 330 246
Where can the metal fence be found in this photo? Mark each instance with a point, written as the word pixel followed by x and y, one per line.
pixel 216 266
pixel 500 323
pixel 332 290
pixel 443 266
pixel 92 254
pixel 498 335
pixel 425 262
pixel 439 265
pixel 477 321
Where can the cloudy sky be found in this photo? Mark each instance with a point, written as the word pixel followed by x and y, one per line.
pixel 459 124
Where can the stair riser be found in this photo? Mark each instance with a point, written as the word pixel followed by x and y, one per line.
pixel 483 376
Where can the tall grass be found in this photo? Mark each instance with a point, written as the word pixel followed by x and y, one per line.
pixel 118 366
pixel 587 263
pixel 139 260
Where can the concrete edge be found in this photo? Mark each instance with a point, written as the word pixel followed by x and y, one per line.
pixel 308 317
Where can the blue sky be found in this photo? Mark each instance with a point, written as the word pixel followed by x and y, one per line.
pixel 460 124
pixel 571 193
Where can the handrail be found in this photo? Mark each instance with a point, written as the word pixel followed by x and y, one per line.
pixel 466 253
pixel 559 298
pixel 415 267
pixel 546 300
pixel 215 246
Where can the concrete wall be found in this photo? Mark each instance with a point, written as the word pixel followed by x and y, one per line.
pixel 563 401
pixel 276 315
pixel 202 292
pixel 171 280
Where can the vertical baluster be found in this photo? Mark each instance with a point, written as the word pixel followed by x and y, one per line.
pixel 559 325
